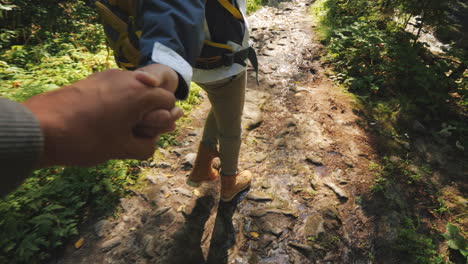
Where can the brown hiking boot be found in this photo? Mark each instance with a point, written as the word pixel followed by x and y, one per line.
pixel 233 185
pixel 203 170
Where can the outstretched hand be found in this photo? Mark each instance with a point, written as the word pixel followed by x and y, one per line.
pixel 161 76
pixel 100 118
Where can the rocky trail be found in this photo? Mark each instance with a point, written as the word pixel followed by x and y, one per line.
pixel 310 161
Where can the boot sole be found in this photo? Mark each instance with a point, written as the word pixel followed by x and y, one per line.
pixel 233 196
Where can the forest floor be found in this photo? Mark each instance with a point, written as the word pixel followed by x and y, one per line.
pixel 314 163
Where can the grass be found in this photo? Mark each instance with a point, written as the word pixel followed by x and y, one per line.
pixel 254 5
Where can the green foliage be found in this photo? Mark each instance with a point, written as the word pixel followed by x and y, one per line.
pixel 414 247
pixel 42 48
pixel 46 210
pixel 456 241
pixel 254 5
pixel 52 71
pixel 35 22
pixel 375 57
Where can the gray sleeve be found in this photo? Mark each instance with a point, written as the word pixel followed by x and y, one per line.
pixel 21 143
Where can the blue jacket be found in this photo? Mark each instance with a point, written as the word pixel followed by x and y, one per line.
pixel 169 32
pixel 172 34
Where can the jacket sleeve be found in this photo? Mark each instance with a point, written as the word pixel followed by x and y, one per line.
pixel 21 144
pixel 172 34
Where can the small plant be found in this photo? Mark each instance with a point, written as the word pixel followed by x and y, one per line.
pixel 456 241
pixel 254 5
pixel 414 247
pixel 373 166
pixel 443 208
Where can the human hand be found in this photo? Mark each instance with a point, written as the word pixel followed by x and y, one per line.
pixel 93 120
pixel 164 77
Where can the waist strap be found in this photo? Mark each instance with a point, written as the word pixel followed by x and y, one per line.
pixel 228 59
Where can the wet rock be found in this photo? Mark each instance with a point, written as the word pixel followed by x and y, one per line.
pixel 272 83
pixel 270 47
pixel 280 143
pixel 148 244
pixel 266 185
pixel 100 228
pixel 268 52
pixel 269 227
pixel 290 122
pixel 348 162
pixel 258 36
pixel 338 191
pixel 179 151
pixel 283 42
pixel 314 225
pixel 151 178
pixel 163 152
pixel 259 196
pixel 252 117
pixel 129 204
pixel 305 250
pixel 163 165
pixel 189 160
pixel 314 183
pixel 283 133
pixel 266 240
pixel 110 244
pixel 259 157
pixel 162 211
pixel 314 159
pixel 263 212
pixel 183 191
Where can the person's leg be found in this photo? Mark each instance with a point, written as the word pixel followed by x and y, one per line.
pixel 227 100
pixel 203 168
pixel 210 132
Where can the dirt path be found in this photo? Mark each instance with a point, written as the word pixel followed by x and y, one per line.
pixel 311 165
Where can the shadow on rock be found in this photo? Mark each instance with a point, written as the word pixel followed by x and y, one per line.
pixel 186 247
pixel 224 235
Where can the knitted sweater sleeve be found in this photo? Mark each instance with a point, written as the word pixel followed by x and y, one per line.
pixel 21 144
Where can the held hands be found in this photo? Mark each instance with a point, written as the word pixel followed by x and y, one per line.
pixel 166 78
pixel 110 115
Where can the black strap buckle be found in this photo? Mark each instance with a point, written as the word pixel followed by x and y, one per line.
pixel 228 59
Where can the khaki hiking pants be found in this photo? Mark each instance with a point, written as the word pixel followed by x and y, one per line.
pixel 223 124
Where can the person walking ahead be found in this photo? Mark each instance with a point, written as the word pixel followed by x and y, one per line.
pixel 206 41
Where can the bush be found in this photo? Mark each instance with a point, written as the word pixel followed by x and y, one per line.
pixel 47 209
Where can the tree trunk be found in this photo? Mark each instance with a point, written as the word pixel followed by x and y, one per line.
pixel 420 25
pixel 408 20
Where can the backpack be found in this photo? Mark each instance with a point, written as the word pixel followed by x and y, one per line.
pixel 225 23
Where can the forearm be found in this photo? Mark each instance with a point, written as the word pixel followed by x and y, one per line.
pixel 21 144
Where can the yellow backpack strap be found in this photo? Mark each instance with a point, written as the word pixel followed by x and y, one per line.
pixel 232 9
pixel 111 19
pixel 122 45
pixel 219 45
pixel 128 6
